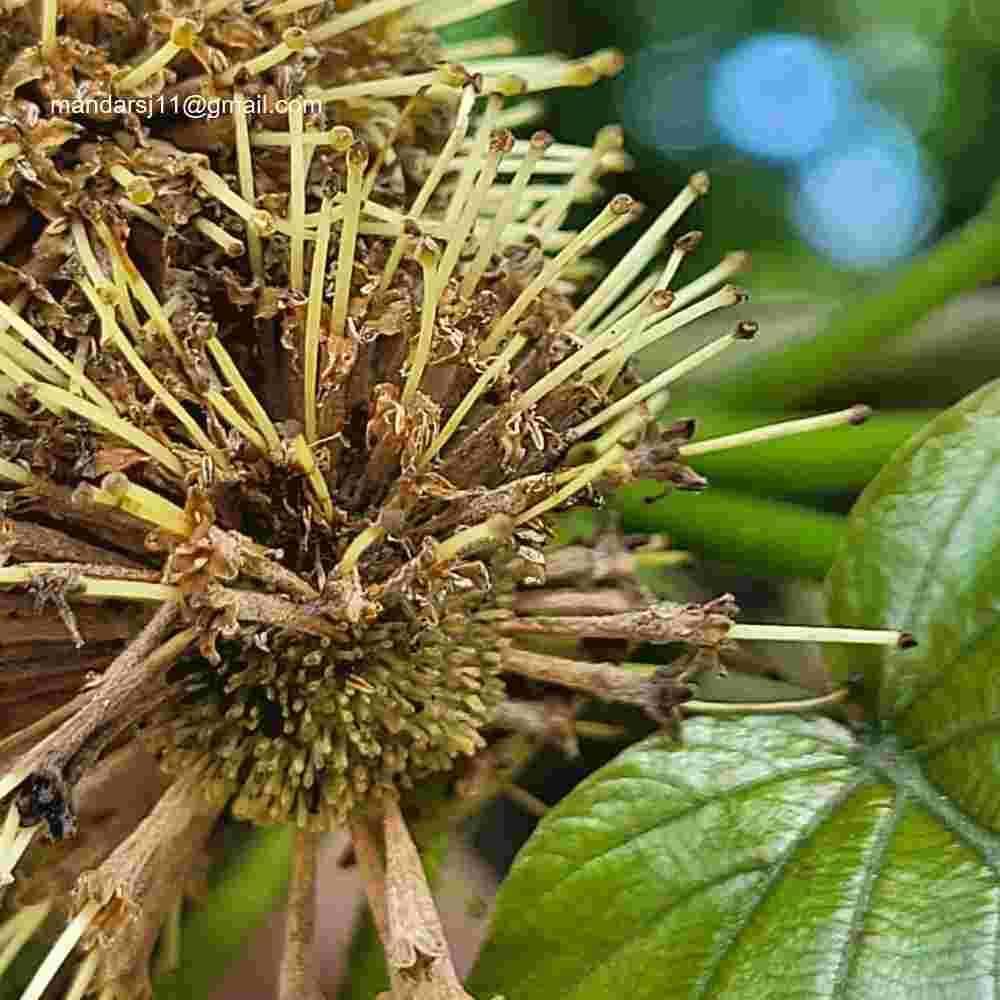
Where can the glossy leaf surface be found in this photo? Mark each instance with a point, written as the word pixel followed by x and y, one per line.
pixel 922 553
pixel 768 857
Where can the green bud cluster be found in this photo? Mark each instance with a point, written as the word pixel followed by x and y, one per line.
pixel 304 729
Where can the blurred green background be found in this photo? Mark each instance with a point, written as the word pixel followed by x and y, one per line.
pixel 853 147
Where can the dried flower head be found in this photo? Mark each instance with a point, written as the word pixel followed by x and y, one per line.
pixel 287 389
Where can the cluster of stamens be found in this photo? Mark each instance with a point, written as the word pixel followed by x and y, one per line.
pixel 307 728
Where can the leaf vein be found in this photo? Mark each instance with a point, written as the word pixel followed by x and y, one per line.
pixel 648 926
pixel 871 871
pixel 631 837
pixel 821 816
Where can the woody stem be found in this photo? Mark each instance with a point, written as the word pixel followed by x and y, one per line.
pixel 297 979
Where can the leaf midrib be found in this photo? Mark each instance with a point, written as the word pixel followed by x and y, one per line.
pixel 728 940
pixel 901 769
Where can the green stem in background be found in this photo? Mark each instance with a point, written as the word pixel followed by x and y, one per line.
pixel 366 975
pixel 796 374
pixel 831 461
pixel 764 537
pixel 215 934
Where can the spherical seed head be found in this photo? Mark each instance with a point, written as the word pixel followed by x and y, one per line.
pixel 699 182
pixel 609 62
pixel 427 252
pixel 541 140
pixel 233 248
pixel 341 138
pixel 623 204
pixel 357 156
pixel 141 192
pixel 262 222
pixel 183 32
pixel 295 38
pixel 689 241
pixel 501 141
pixel 661 299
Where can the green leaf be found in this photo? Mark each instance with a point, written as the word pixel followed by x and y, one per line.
pixel 767 857
pixel 922 553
